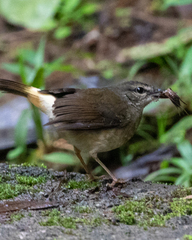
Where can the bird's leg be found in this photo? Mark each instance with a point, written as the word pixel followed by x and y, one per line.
pixel 94 156
pixel 78 154
pixel 115 180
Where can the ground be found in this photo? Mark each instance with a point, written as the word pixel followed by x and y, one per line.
pixel 32 207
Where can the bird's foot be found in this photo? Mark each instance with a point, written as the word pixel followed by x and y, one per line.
pixel 100 177
pixel 117 181
pixel 93 178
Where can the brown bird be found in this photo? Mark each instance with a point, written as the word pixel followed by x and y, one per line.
pixel 93 120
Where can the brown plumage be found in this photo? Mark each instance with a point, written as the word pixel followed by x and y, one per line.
pixel 84 110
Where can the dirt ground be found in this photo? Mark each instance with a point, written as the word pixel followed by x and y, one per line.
pixel 97 201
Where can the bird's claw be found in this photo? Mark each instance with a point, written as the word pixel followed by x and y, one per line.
pixel 93 178
pixel 117 181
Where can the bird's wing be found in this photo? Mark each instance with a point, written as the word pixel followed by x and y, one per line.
pixel 89 109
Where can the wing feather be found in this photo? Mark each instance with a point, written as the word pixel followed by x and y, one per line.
pixel 89 109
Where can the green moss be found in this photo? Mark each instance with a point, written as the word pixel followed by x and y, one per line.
pixel 181 192
pixel 126 212
pixel 180 207
pixel 93 222
pixel 67 222
pixel 147 212
pixel 16 217
pixel 10 190
pixel 30 214
pixel 187 237
pixel 6 177
pixel 55 218
pixel 29 180
pixel 81 184
pixel 51 213
pixel 26 164
pixel 83 209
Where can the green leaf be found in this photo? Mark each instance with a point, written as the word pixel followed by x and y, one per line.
pixel 165 171
pixel 38 81
pixel 162 123
pixel 164 164
pixel 165 178
pixel 11 67
pixel 15 152
pixel 60 157
pixel 22 70
pixel 38 123
pixel 62 32
pixel 185 150
pixel 172 65
pixel 183 180
pixel 70 5
pixel 31 14
pixel 39 56
pixel 169 3
pixel 89 9
pixel 66 68
pixel 135 68
pixel 108 74
pixel 181 163
pixel 49 25
pixel 185 69
pixel 177 133
pixel 30 76
pixel 57 65
pixel 22 128
pixel 28 55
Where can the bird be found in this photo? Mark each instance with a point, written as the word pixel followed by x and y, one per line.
pixel 93 120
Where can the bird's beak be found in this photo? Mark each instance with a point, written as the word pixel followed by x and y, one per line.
pixel 158 93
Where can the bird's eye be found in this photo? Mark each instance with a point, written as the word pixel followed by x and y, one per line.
pixel 140 90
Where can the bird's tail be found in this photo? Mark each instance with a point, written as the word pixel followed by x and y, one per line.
pixel 41 100
pixel 14 87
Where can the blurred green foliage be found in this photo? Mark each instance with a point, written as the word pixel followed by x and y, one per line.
pixel 181 171
pixel 176 61
pixel 73 13
pixel 169 3
pixel 179 64
pixel 58 15
pixel 163 5
pixel 36 14
pixel 176 134
pixel 20 136
pixel 59 157
pixel 32 69
pixel 187 237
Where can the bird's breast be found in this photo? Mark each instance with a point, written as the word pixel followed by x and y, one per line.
pixel 100 140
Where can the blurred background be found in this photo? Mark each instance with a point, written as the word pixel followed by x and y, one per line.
pixel 81 43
